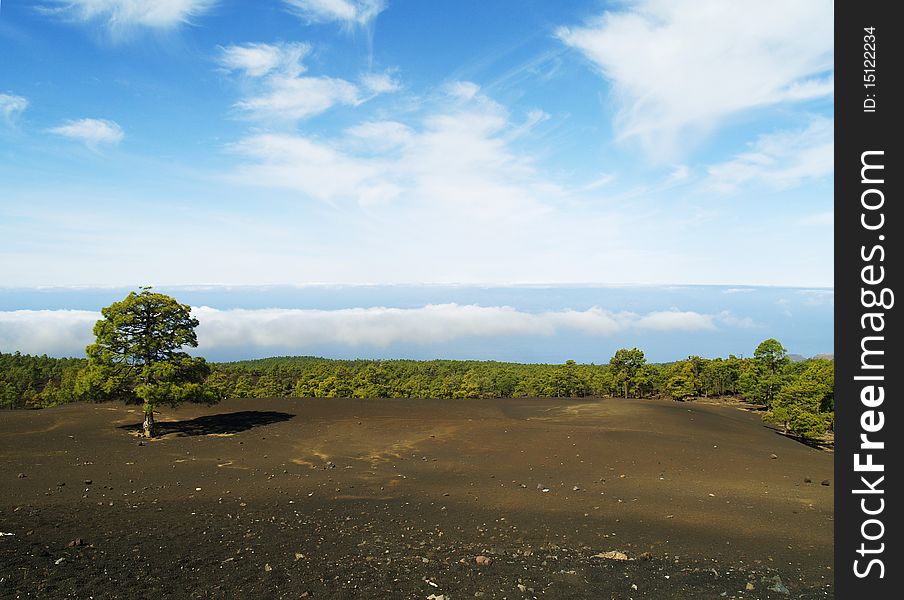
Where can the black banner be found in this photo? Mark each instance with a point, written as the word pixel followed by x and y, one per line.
pixel 868 367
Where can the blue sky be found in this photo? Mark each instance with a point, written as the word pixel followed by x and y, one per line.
pixel 300 142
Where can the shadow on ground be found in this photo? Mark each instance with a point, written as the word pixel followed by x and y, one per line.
pixel 215 424
pixel 819 444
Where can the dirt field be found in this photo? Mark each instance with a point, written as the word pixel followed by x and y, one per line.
pixel 397 499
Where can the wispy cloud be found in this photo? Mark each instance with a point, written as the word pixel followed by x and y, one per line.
pixel 122 16
pixel 11 106
pixel 455 157
pixel 92 132
pixel 680 68
pixel 69 331
pixel 346 12
pixel 780 160
pixel 280 91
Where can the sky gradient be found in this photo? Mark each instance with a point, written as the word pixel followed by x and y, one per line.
pixel 481 144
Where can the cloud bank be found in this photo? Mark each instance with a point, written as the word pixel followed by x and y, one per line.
pixel 67 332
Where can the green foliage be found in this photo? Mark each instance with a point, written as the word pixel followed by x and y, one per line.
pixel 37 381
pixel 625 366
pixel 137 356
pixel 799 395
pixel 682 381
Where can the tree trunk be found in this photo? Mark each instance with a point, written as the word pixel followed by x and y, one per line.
pixel 148 422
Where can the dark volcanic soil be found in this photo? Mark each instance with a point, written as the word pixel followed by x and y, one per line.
pixel 397 498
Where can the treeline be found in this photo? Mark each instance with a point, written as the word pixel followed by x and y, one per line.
pixel 37 381
pixel 798 395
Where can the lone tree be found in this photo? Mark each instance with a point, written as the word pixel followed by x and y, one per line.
pixel 138 357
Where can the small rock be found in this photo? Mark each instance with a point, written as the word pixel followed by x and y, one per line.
pixel 268 568
pixel 299 556
pixel 522 588
pixel 612 555
pixel 773 456
pixel 777 585
pixel 749 587
pixel 436 597
pixel 59 561
pixel 61 483
pixel 575 489
pixel 826 482
pixel 645 556
pixel 88 482
pixel 483 561
pixel 76 542
pixel 21 475
pixel 807 480
pixel 140 443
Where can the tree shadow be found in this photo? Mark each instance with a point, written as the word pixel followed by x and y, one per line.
pixel 818 444
pixel 225 423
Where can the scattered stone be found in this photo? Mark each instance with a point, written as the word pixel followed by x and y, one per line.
pixel 826 482
pixel 612 555
pixel 483 561
pixel 777 585
pixel 76 542
pixel 436 597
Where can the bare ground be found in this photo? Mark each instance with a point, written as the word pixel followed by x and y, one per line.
pixel 396 499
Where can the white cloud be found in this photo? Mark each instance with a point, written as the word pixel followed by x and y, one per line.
pixel 55 332
pixel 674 320
pixel 780 160
pixel 280 90
pixel 121 16
pixel 682 66
pixel 380 83
pixel 93 132
pixel 12 106
pixel 457 159
pixel 256 60
pixel 69 331
pixel 348 12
